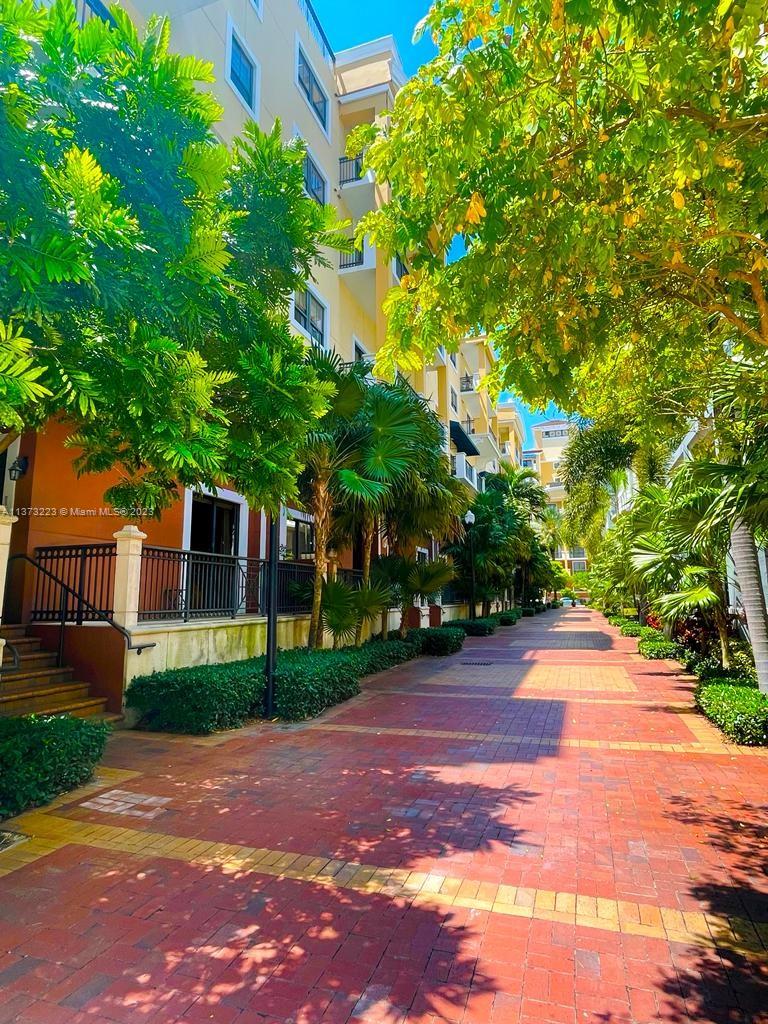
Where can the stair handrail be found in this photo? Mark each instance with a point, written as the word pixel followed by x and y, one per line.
pixel 15 660
pixel 66 589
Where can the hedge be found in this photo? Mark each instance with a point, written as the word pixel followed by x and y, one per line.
pixel 472 627
pixel 631 629
pixel 617 620
pixel 507 619
pixel 528 612
pixel 658 649
pixel 439 642
pixel 42 756
pixel 651 633
pixel 206 698
pixel 741 711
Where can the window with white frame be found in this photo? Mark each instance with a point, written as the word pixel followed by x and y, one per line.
pixel 314 180
pixel 454 360
pixel 242 71
pixel 313 91
pixel 311 316
pixel 258 6
pixel 454 400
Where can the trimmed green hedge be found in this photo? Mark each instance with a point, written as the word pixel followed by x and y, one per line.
pixel 658 649
pixel 200 699
pixel 207 698
pixel 652 634
pixel 741 711
pixel 507 619
pixel 42 756
pixel 617 620
pixel 439 642
pixel 631 629
pixel 528 612
pixel 472 627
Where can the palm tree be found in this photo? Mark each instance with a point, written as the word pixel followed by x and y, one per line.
pixel 682 565
pixel 520 487
pixel 408 579
pixel 551 530
pixel 353 454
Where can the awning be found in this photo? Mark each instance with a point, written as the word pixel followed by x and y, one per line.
pixel 462 440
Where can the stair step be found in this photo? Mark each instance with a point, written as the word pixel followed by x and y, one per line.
pixel 90 708
pixel 31 659
pixel 14 630
pixel 36 675
pixel 23 644
pixel 35 701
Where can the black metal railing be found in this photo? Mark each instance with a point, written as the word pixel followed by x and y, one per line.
pixel 350 169
pixel 184 586
pixel 353 577
pixel 467 382
pixel 87 9
pixel 88 570
pixel 347 260
pixel 59 591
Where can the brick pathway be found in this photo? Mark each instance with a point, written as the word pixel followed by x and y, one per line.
pixel 539 829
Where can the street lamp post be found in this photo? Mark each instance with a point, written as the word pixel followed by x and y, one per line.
pixel 469 520
pixel 271 655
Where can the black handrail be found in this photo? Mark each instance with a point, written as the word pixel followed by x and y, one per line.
pixel 14 650
pixel 82 601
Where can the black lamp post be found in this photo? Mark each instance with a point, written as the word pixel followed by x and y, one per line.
pixel 469 519
pixel 271 658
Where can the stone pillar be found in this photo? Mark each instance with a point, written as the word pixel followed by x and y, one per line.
pixel 6 524
pixel 130 541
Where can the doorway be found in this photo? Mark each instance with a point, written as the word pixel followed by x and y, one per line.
pixel 215 573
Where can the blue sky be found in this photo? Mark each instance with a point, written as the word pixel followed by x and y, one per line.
pixel 347 24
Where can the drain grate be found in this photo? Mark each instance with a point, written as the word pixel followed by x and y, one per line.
pixel 9 839
pixel 477 663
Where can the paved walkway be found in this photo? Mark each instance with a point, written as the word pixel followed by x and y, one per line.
pixel 538 829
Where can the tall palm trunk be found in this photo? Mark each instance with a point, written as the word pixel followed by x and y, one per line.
pixel 744 554
pixel 367 542
pixel 321 510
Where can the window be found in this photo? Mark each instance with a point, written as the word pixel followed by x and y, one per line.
pixel 454 360
pixel 299 541
pixel 578 566
pixel 258 6
pixel 361 356
pixel 454 400
pixel 314 182
pixel 309 314
pixel 554 433
pixel 242 72
pixel 310 86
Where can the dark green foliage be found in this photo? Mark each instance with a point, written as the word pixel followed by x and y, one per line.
pixel 41 757
pixel 656 650
pixel 631 629
pixel 617 620
pixel 200 699
pixel 438 643
pixel 741 711
pixel 472 627
pixel 528 613
pixel 507 619
pixel 307 682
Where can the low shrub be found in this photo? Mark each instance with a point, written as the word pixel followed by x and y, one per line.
pixel 528 613
pixel 472 627
pixel 200 699
pixel 308 682
pixel 438 643
pixel 42 756
pixel 507 619
pixel 631 629
pixel 617 620
pixel 741 711
pixel 651 633
pixel 657 650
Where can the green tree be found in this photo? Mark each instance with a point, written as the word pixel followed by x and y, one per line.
pixel 143 287
pixel 551 530
pixel 603 166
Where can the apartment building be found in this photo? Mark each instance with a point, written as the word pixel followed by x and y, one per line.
pixel 551 438
pixel 271 60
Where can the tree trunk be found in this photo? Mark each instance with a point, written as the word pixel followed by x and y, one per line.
pixel 367 542
pixel 321 505
pixel 744 554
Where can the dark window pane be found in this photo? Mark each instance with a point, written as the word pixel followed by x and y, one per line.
pixel 241 71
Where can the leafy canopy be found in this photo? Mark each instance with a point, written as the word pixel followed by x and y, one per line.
pixel 144 266
pixel 603 165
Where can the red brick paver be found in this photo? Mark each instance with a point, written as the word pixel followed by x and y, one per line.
pixel 538 829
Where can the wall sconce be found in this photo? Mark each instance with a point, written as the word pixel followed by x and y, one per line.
pixel 18 467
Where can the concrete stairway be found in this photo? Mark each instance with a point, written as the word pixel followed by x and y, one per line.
pixel 38 686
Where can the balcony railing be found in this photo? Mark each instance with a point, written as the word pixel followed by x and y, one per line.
pixel 87 9
pixel 350 169
pixel 317 30
pixel 88 570
pixel 348 260
pixel 469 382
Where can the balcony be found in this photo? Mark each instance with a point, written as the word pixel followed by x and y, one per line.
pixel 317 31
pixel 463 470
pixel 357 187
pixel 486 441
pixel 474 398
pixel 357 269
pixel 438 359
